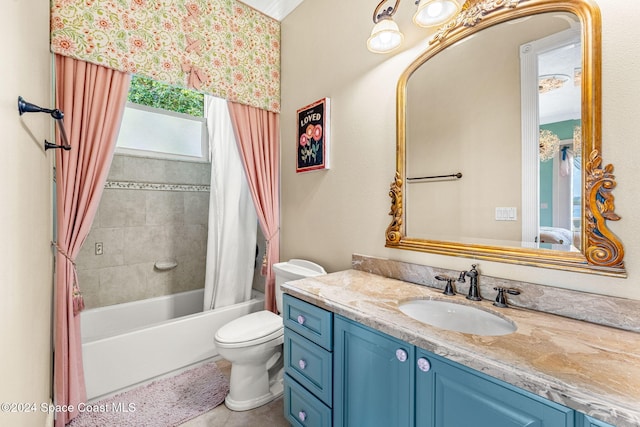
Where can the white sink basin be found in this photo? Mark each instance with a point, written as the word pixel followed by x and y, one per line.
pixel 457 317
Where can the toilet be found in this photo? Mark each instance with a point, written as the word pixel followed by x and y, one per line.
pixel 253 345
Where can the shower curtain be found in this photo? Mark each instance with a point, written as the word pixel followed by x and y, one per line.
pixel 231 243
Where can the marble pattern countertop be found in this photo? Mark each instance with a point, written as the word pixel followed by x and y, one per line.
pixel 591 368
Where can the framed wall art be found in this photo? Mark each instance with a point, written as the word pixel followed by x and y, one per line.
pixel 313 136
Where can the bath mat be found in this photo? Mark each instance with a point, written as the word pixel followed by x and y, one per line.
pixel 167 402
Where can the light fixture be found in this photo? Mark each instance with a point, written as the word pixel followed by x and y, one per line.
pixel 577 141
pixel 549 145
pixel 549 82
pixel 386 36
pixel 432 13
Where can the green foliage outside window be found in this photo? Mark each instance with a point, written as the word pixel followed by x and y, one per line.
pixel 155 94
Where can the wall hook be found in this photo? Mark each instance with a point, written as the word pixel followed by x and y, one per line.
pixel 27 107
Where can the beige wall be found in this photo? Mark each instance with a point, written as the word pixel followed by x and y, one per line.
pixel 25 216
pixel 464 115
pixel 449 130
pixel 328 215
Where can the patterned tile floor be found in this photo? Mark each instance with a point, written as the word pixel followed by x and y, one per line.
pixel 270 415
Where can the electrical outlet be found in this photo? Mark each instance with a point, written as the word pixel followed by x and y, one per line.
pixel 99 248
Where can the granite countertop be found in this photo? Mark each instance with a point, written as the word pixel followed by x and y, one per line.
pixel 591 368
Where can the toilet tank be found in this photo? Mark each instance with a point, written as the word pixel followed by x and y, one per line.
pixel 293 269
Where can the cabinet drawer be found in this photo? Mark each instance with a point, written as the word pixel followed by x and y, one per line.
pixel 309 364
pixel 309 321
pixel 301 408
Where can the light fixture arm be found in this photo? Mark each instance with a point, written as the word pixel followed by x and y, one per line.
pixel 379 15
pixel 27 107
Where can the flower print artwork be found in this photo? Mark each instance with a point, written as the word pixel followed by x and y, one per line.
pixel 313 136
pixel 310 143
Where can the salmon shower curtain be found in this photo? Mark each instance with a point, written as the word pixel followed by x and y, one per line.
pixel 92 99
pixel 258 136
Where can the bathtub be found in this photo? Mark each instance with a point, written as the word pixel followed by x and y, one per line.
pixel 129 343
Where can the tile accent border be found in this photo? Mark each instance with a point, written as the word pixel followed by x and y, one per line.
pixel 610 311
pixel 125 185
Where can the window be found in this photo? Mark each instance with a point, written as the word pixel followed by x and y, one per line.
pixel 163 121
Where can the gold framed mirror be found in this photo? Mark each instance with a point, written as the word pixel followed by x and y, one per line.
pixel 534 183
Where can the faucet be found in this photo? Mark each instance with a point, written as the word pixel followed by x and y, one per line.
pixel 448 289
pixel 501 300
pixel 474 293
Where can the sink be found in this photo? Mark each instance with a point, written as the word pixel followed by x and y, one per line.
pixel 457 317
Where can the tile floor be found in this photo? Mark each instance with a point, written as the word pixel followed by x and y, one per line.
pixel 270 415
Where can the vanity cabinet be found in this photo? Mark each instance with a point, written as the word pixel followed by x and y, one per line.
pixel 373 377
pixel 382 381
pixel 452 395
pixel 341 373
pixel 587 421
pixel 308 363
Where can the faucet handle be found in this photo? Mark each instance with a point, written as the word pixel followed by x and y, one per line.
pixel 473 273
pixel 501 299
pixel 448 289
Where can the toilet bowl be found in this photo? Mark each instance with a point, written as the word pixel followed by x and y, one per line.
pixel 253 345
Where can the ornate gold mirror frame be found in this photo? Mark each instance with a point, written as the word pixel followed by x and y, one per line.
pixel 602 252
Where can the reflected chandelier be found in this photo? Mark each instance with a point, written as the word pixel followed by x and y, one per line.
pixel 386 36
pixel 549 145
pixel 577 141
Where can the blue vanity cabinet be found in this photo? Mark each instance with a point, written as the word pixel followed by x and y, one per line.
pixel 449 395
pixel 587 421
pixel 308 364
pixel 363 377
pixel 373 378
pixel 382 381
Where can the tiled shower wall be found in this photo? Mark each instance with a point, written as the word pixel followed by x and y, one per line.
pixel 151 210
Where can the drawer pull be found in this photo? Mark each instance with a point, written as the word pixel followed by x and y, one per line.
pixel 302 363
pixel 302 416
pixel 424 365
pixel 401 355
pixel 301 319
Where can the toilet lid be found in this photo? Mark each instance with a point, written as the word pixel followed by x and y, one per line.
pixel 260 326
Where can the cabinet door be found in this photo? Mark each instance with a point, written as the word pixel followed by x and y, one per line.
pixel 464 397
pixel 373 378
pixel 587 421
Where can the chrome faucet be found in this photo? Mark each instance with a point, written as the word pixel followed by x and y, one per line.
pixel 474 293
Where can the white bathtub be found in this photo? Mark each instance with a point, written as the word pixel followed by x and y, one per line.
pixel 128 343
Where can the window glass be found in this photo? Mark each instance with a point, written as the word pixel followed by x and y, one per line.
pixel 163 121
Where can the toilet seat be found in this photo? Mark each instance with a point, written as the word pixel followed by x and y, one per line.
pixel 252 329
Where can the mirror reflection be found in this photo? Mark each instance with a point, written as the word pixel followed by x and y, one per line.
pixel 493 134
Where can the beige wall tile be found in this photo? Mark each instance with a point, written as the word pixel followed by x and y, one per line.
pixel 164 207
pixel 122 208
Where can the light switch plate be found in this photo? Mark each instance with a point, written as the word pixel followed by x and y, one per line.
pixel 506 214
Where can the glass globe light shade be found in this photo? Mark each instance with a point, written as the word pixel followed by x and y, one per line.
pixel 431 13
pixel 385 36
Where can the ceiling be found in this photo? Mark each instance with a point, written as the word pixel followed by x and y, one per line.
pixel 276 9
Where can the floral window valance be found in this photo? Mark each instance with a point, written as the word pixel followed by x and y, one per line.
pixel 221 47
